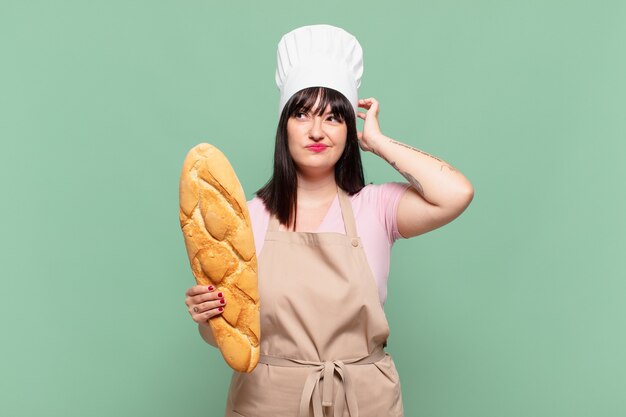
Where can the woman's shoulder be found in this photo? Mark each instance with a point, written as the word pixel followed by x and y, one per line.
pixel 387 191
pixel 256 207
pixel 379 202
pixel 259 217
pixel 255 202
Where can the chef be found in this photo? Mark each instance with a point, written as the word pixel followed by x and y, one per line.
pixel 323 239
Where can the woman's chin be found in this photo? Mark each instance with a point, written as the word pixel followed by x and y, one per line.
pixel 316 170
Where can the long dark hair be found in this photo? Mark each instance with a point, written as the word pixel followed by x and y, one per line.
pixel 280 193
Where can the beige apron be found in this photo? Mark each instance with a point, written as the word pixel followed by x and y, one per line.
pixel 323 331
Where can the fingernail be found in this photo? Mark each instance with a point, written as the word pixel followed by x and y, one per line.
pixel 211 288
pixel 222 301
pixel 219 294
pixel 220 309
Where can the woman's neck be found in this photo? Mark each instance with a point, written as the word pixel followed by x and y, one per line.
pixel 316 191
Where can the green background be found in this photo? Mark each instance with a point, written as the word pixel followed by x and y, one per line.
pixel 516 308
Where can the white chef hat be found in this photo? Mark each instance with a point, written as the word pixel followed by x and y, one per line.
pixel 319 55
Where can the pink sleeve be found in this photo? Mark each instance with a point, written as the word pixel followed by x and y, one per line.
pixel 387 199
pixel 259 217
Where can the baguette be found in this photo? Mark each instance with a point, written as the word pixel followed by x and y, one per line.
pixel 218 237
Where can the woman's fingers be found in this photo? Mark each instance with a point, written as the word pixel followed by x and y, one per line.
pixel 208 305
pixel 199 289
pixel 197 292
pixel 366 103
pixel 204 302
pixel 201 312
pixel 369 104
pixel 208 296
pixel 202 316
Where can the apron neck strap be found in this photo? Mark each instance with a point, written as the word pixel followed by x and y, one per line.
pixel 346 212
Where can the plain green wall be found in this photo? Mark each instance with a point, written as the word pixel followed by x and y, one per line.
pixel 515 309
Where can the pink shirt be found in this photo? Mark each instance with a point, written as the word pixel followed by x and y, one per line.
pixel 374 210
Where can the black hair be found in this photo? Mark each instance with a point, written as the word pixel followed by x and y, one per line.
pixel 280 193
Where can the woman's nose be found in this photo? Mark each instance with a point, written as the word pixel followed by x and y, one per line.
pixel 316 132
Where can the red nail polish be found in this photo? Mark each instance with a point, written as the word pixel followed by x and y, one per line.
pixel 219 294
pixel 221 309
pixel 210 287
pixel 222 301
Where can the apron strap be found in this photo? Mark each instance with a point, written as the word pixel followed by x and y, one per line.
pixel 324 372
pixel 273 226
pixel 346 212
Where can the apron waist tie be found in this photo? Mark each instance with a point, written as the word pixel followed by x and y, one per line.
pixel 325 371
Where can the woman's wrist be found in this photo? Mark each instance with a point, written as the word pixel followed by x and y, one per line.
pixel 376 143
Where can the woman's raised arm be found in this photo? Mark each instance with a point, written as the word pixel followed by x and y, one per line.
pixel 439 192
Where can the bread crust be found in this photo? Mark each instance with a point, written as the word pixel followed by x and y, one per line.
pixel 218 237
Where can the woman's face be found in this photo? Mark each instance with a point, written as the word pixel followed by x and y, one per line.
pixel 316 142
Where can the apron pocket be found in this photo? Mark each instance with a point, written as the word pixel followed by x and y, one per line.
pixel 387 367
pixel 378 388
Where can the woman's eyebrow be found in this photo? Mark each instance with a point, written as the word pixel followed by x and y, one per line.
pixel 326 113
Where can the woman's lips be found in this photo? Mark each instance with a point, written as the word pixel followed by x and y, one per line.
pixel 317 148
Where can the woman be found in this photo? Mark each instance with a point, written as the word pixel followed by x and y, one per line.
pixel 323 240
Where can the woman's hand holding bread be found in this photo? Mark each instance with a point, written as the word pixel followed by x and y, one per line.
pixel 204 302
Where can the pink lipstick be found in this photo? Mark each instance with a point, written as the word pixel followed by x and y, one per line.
pixel 317 148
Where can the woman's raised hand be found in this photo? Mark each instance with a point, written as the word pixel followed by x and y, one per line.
pixel 204 302
pixel 371 130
